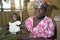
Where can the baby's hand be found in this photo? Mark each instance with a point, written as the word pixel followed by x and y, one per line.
pixel 19 25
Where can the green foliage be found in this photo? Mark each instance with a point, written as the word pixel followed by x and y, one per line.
pixel 10 36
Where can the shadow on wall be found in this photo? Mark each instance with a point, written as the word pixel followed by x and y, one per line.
pixel 50 9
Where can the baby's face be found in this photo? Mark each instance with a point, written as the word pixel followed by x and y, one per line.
pixel 14 17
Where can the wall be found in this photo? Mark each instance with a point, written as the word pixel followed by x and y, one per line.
pixel 57 4
pixel 58 30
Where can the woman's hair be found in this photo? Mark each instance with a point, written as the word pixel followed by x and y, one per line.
pixel 18 17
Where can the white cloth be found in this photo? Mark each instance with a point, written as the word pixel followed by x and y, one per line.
pixel 13 26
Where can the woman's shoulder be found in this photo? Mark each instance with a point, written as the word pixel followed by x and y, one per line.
pixel 30 18
pixel 49 18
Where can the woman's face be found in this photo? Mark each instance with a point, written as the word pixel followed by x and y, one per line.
pixel 14 17
pixel 39 12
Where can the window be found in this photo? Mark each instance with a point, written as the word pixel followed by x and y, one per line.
pixel 6 5
pixel 32 0
pixel 19 4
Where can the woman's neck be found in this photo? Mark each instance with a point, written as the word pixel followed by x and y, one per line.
pixel 41 17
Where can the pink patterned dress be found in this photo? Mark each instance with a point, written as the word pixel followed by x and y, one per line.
pixel 45 28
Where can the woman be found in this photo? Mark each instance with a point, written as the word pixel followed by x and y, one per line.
pixel 40 25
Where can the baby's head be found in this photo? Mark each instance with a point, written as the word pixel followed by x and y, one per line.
pixel 14 16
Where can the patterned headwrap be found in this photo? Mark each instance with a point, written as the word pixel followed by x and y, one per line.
pixel 42 3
